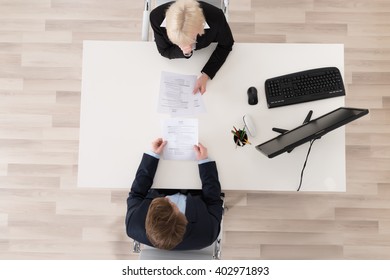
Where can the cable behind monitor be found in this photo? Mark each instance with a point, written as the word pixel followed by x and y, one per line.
pixel 304 165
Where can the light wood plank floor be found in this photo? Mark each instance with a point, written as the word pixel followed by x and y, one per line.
pixel 43 215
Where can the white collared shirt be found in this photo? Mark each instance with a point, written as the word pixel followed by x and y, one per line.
pixel 180 200
pixel 164 24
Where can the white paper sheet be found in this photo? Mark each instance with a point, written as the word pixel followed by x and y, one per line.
pixel 181 136
pixel 176 97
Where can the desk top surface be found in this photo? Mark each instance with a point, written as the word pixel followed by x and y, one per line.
pixel 120 91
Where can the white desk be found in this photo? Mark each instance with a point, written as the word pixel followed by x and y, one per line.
pixel 119 117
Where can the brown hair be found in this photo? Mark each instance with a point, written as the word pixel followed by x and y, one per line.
pixel 165 226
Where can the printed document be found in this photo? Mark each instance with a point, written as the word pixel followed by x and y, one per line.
pixel 181 136
pixel 176 97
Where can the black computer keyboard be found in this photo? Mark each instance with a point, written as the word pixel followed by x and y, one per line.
pixel 304 86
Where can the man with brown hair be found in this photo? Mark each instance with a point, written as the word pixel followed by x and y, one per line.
pixel 174 221
pixel 165 225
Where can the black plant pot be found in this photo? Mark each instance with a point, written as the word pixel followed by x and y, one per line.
pixel 242 140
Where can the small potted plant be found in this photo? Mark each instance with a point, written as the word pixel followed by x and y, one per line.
pixel 240 137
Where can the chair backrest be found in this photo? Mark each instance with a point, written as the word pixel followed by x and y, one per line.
pixel 161 2
pixel 150 253
pixel 216 3
pixel 222 4
pixel 212 252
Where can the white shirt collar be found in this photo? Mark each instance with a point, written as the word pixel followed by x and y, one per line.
pixel 164 24
pixel 180 200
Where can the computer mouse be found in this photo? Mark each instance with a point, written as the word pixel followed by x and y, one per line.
pixel 252 96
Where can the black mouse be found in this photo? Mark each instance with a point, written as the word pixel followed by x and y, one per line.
pixel 252 96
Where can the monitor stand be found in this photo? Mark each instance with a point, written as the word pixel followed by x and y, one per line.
pixel 281 130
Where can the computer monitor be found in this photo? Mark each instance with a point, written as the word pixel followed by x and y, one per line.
pixel 311 130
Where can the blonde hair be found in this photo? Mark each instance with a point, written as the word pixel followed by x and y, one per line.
pixel 165 227
pixel 184 19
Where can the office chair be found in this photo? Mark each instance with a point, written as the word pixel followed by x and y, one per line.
pixel 211 252
pixel 222 4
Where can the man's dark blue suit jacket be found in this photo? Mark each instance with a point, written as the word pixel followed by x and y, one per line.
pixel 203 212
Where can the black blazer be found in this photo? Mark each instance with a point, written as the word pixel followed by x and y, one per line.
pixel 219 32
pixel 204 213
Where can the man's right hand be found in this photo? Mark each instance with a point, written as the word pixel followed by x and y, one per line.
pixel 200 152
pixel 158 146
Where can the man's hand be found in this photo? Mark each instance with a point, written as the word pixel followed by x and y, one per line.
pixel 200 152
pixel 200 85
pixel 158 146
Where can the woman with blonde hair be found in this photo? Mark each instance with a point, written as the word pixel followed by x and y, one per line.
pixel 183 26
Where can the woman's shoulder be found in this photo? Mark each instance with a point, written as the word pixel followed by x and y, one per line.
pixel 211 12
pixel 158 13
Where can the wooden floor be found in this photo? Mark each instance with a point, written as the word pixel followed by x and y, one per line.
pixel 43 215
